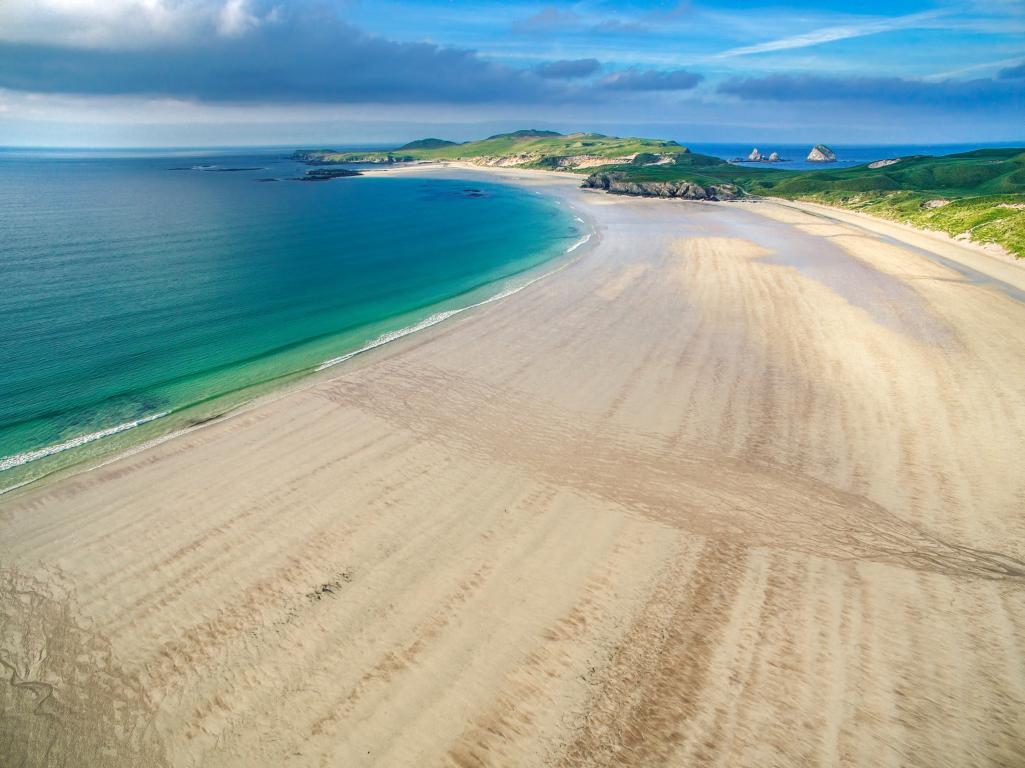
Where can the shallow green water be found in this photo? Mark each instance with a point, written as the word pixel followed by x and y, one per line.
pixel 135 299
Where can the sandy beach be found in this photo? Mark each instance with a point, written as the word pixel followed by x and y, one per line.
pixel 740 486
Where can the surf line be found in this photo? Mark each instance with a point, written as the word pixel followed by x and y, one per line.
pixel 438 317
pixel 18 459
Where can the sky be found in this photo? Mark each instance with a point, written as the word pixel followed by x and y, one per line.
pixel 124 73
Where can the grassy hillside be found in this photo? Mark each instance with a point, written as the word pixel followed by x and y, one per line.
pixel 980 195
pixel 542 149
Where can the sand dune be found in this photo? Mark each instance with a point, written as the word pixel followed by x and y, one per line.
pixel 740 487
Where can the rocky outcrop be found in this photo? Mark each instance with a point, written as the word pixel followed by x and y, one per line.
pixel 755 156
pixel 884 163
pixel 617 184
pixel 774 157
pixel 557 162
pixel 594 161
pixel 330 157
pixel 326 174
pixel 506 161
pixel 820 153
pixel 311 155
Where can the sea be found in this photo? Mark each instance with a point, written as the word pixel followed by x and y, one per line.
pixel 793 155
pixel 141 293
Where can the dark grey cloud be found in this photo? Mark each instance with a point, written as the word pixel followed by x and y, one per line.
pixel 1012 73
pixel 653 80
pixel 301 58
pixel 568 69
pixel 890 90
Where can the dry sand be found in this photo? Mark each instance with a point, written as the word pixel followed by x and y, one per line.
pixel 740 487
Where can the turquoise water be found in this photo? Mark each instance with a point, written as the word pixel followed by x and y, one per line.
pixel 136 298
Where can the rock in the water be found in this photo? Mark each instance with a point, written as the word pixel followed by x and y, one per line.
pixel 326 174
pixel 774 157
pixel 755 155
pixel 820 153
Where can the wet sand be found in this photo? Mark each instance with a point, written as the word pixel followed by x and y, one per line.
pixel 740 487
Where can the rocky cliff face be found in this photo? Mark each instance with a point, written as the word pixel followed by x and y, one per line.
pixel 820 153
pixel 683 190
pixel 755 156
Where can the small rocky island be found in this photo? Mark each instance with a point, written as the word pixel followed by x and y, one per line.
pixel 756 156
pixel 820 153
pixel 326 174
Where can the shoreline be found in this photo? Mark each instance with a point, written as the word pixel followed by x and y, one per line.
pixel 292 381
pixel 993 264
pixel 989 258
pixel 740 488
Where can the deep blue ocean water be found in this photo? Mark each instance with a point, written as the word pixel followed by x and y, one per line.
pixel 141 293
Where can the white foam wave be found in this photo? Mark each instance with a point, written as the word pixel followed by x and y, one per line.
pixel 438 317
pixel 10 462
pixel 578 243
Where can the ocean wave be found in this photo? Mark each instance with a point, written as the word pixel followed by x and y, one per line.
pixel 10 462
pixel 578 243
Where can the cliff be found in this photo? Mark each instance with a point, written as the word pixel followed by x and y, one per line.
pixel 617 184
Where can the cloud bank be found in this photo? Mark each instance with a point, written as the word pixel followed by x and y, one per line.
pixel 568 69
pixel 653 80
pixel 300 58
pixel 983 92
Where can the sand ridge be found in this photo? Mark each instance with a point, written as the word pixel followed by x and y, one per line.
pixel 738 488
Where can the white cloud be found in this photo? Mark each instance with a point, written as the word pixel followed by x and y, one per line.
pixel 831 34
pixel 235 18
pixel 124 24
pixel 984 66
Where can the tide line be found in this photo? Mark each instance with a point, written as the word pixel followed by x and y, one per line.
pixel 18 459
pixel 438 317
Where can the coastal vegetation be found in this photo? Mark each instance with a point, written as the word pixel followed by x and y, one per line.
pixel 977 195
pixel 527 148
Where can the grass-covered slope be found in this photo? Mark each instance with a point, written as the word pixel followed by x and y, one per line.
pixel 978 195
pixel 537 149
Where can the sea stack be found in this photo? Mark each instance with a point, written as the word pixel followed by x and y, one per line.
pixel 774 157
pixel 755 156
pixel 820 153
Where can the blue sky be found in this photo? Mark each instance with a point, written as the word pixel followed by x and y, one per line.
pixel 228 72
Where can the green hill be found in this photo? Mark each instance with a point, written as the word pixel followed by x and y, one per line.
pixel 426 144
pixel 980 194
pixel 530 148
